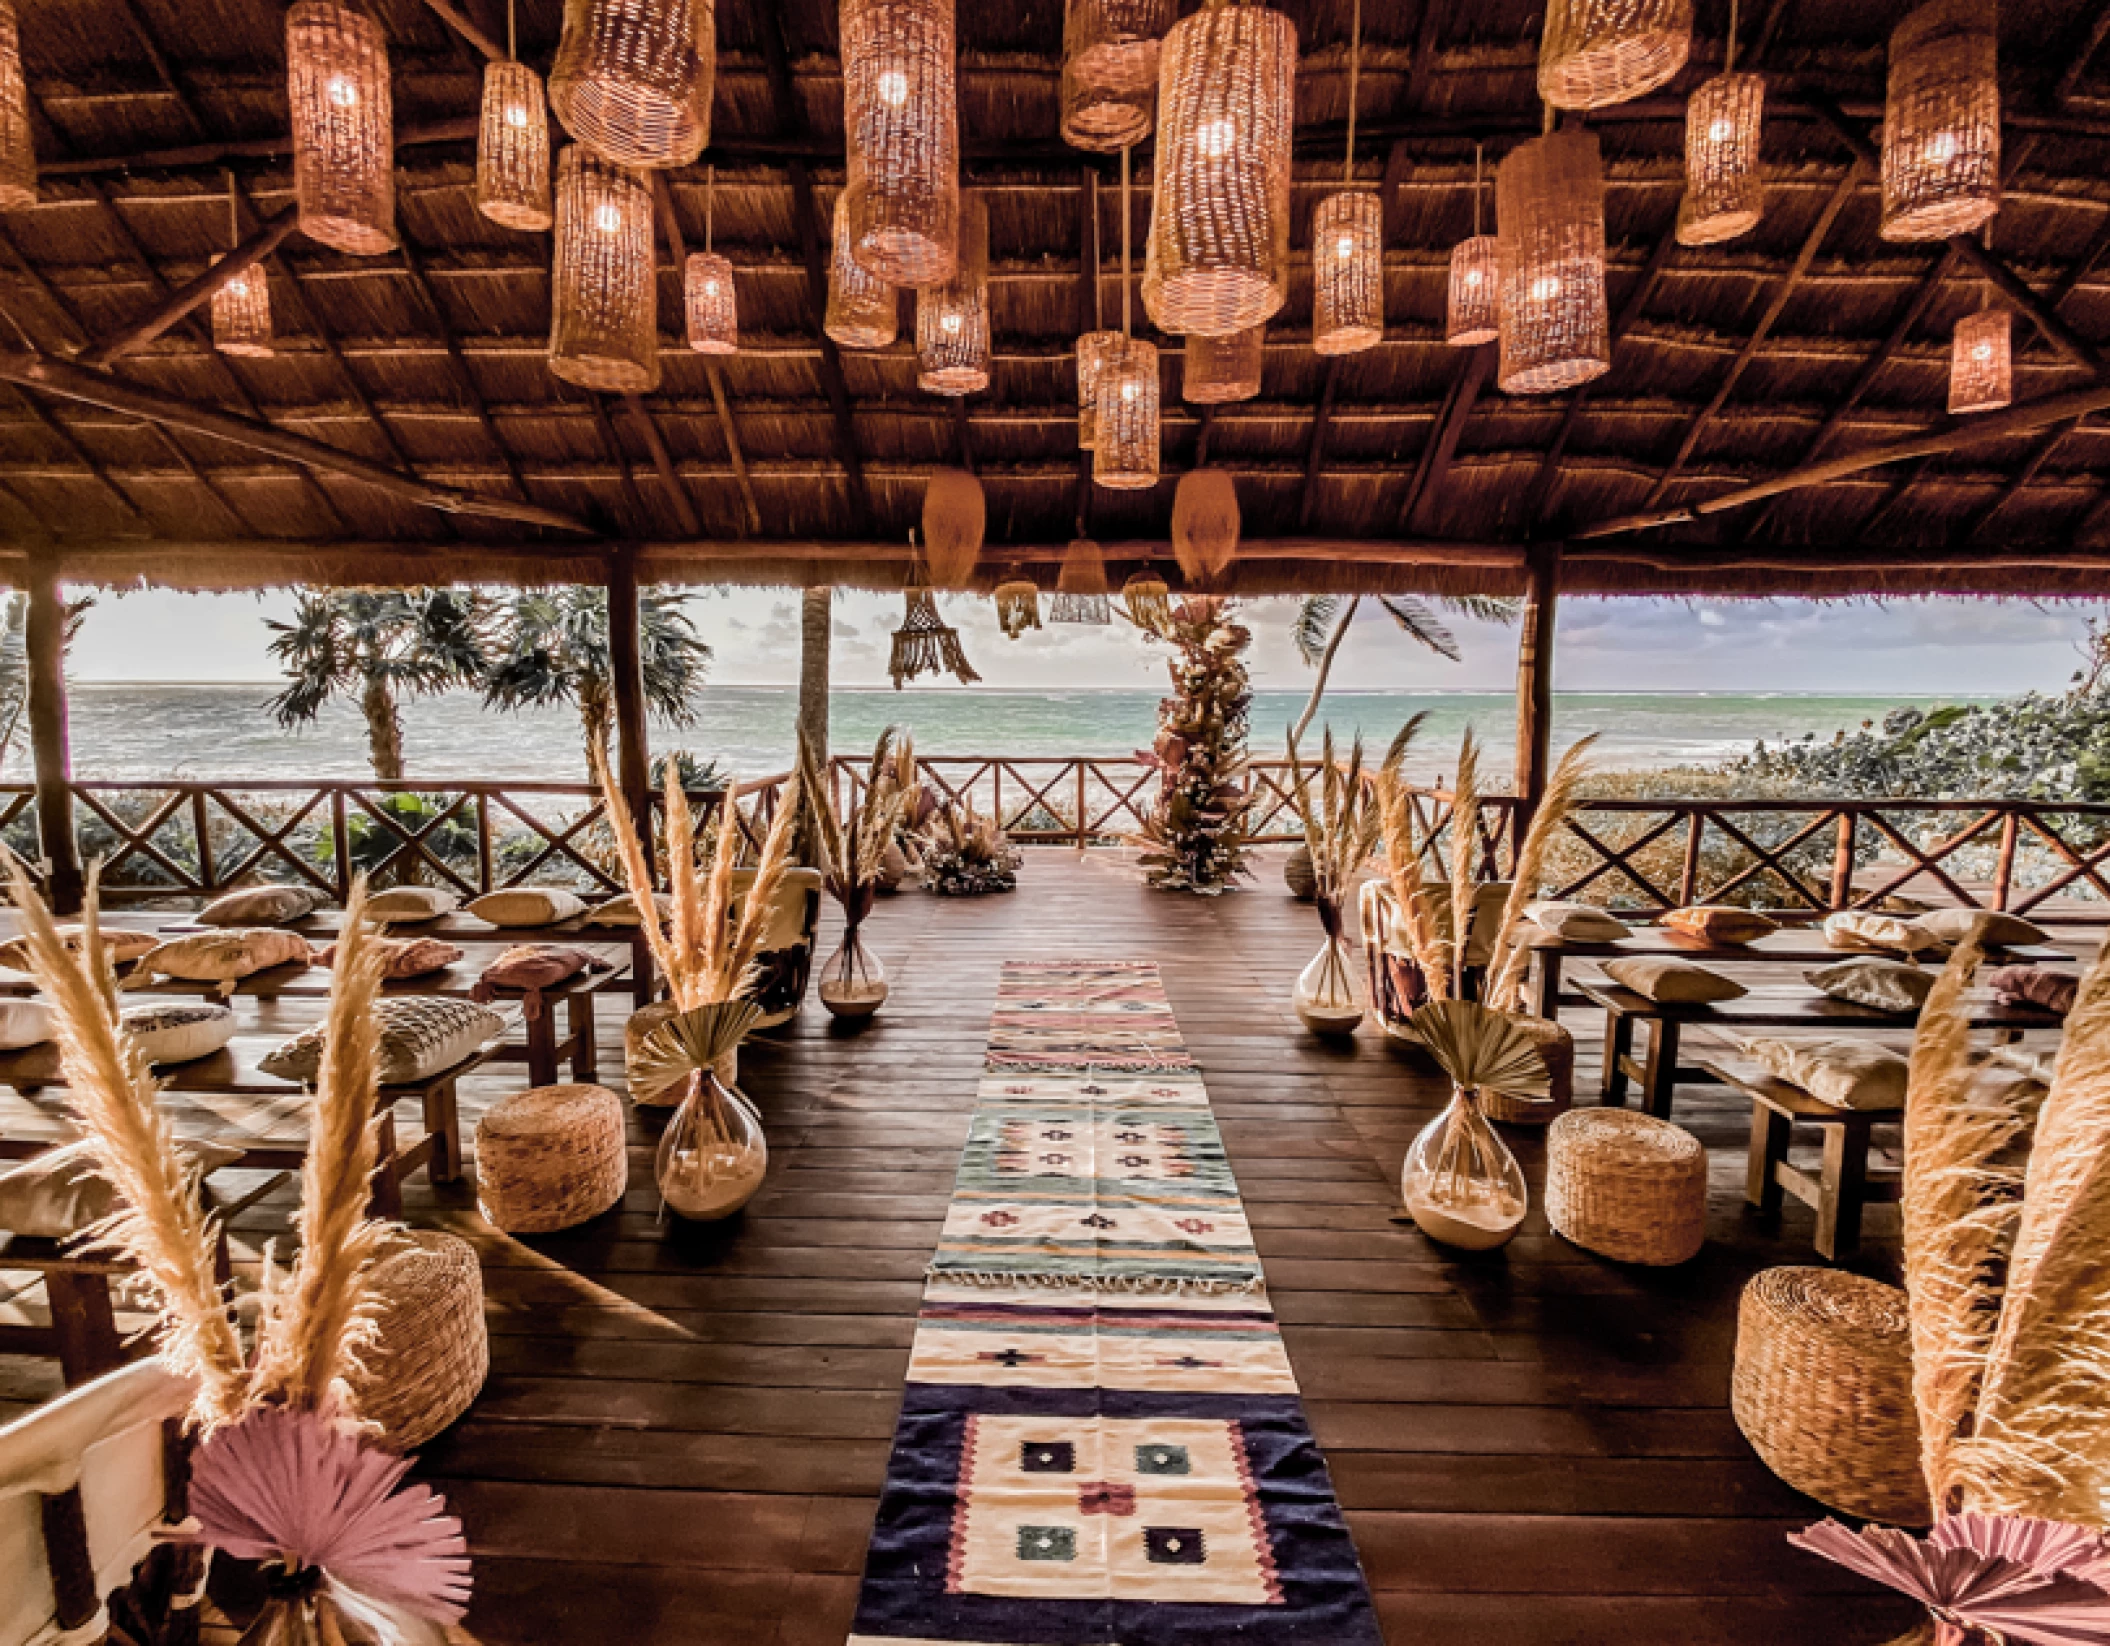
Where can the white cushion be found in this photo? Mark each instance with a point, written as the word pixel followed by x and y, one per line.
pixel 2002 931
pixel 1870 980
pixel 1846 1073
pixel 1577 922
pixel 410 905
pixel 179 1031
pixel 259 906
pixel 225 956
pixel 1872 933
pixel 528 906
pixel 420 1036
pixel 25 1023
pixel 622 911
pixel 1672 982
pixel 120 943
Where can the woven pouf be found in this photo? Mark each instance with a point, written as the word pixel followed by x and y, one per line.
pixel 1626 1186
pixel 551 1158
pixel 1557 1046
pixel 1823 1390
pixel 430 1349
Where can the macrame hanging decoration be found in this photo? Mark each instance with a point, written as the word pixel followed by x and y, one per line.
pixel 1080 587
pixel 512 142
pixel 1549 220
pixel 864 312
pixel 604 325
pixel 1475 315
pixel 1125 426
pixel 1148 598
pixel 707 287
pixel 1217 370
pixel 633 78
pixel 1595 53
pixel 1981 362
pixel 1110 70
pixel 952 318
pixel 1941 122
pixel 1017 607
pixel 241 309
pixel 925 643
pixel 1205 525
pixel 955 519
pixel 18 153
pixel 1348 245
pixel 1724 120
pixel 901 118
pixel 1218 257
pixel 344 134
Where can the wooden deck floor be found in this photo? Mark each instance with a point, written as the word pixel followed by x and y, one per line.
pixel 685 1430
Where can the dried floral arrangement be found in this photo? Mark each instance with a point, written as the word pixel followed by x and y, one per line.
pixel 284 1474
pixel 1195 838
pixel 852 848
pixel 1437 947
pixel 1510 959
pixel 966 853
pixel 1340 832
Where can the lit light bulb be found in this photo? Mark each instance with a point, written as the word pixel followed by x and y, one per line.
pixel 1720 132
pixel 950 324
pixel 1215 138
pixel 1982 353
pixel 1128 391
pixel 516 116
pixel 606 218
pixel 1344 248
pixel 342 92
pixel 1473 277
pixel 710 288
pixel 893 88
pixel 1545 288
pixel 238 286
pixel 1941 147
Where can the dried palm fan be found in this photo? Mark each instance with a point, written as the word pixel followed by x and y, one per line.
pixel 707 287
pixel 1080 587
pixel 1941 122
pixel 1348 244
pixel 1510 958
pixel 1149 601
pixel 1017 607
pixel 901 120
pixel 512 142
pixel 18 154
pixel 241 309
pixel 1549 222
pixel 1205 525
pixel 864 312
pixel 1215 371
pixel 1475 308
pixel 955 519
pixel 633 78
pixel 925 643
pixel 344 135
pixel 1110 70
pixel 1595 53
pixel 1724 120
pixel 1981 362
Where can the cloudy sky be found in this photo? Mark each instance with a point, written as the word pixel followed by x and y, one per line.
pixel 1940 647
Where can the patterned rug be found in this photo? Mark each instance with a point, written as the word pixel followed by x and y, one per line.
pixel 1101 1440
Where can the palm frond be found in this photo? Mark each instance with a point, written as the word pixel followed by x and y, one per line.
pixel 1483 608
pixel 1481 1049
pixel 1421 624
pixel 1313 625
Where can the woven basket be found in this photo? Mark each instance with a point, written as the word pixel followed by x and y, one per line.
pixel 633 78
pixel 864 312
pixel 1347 273
pixel 1110 70
pixel 1549 232
pixel 551 1158
pixel 18 154
pixel 1626 1186
pixel 1205 525
pixel 1218 370
pixel 955 521
pixel 512 149
pixel 344 135
pixel 902 129
pixel 1823 1390
pixel 1595 53
pixel 1724 193
pixel 1941 122
pixel 1557 1046
pixel 430 1351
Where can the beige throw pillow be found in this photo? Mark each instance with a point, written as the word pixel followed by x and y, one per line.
pixel 1887 985
pixel 225 957
pixel 120 943
pixel 25 1023
pixel 411 905
pixel 1720 923
pixel 57 1194
pixel 1867 932
pixel 259 906
pixel 528 906
pixel 420 1036
pixel 622 911
pixel 1672 982
pixel 180 1031
pixel 1577 922
pixel 2002 931
pixel 1846 1073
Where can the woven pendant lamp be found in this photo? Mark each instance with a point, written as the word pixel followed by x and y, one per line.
pixel 1080 587
pixel 864 312
pixel 1595 53
pixel 1218 258
pixel 1125 420
pixel 18 153
pixel 1549 220
pixel 512 142
pixel 1110 71
pixel 955 519
pixel 241 309
pixel 707 287
pixel 1941 122
pixel 344 154
pixel 1217 370
pixel 1148 598
pixel 1474 314
pixel 1094 350
pixel 1017 607
pixel 633 78
pixel 604 322
pixel 952 319
pixel 1348 245
pixel 901 119
pixel 925 643
pixel 1205 525
pixel 1724 195
pixel 1981 363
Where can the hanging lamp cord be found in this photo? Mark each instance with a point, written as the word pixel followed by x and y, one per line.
pixel 512 36
pixel 1729 57
pixel 1479 150
pixel 1355 64
pixel 1125 214
pixel 710 204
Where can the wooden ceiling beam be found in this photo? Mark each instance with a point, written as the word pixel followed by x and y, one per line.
pixel 1474 369
pixel 612 444
pixel 257 245
pixel 459 20
pixel 458 360
pixel 721 405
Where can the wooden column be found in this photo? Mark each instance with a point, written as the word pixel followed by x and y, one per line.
pixel 626 664
pixel 816 636
pixel 1535 680
pixel 45 639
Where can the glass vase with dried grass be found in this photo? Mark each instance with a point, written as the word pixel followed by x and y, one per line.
pixel 344 155
pixel 633 79
pixel 901 120
pixel 1459 1182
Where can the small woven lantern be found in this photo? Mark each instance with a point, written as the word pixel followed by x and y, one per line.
pixel 707 288
pixel 926 644
pixel 1981 363
pixel 1017 607
pixel 1110 70
pixel 955 520
pixel 1218 259
pixel 18 154
pixel 1205 525
pixel 1475 312
pixel 1125 427
pixel 512 149
pixel 1347 273
pixel 1595 53
pixel 241 315
pixel 1080 587
pixel 1217 370
pixel 952 319
pixel 604 322
pixel 1094 350
pixel 1148 598
pixel 633 78
pixel 864 312
pixel 344 139
pixel 1941 122
pixel 901 119
pixel 1724 195
pixel 1549 220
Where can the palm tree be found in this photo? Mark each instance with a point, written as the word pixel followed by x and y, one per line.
pixel 380 647
pixel 551 646
pixel 1322 624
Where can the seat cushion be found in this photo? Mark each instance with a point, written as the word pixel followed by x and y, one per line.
pixel 179 1031
pixel 528 906
pixel 420 1036
pixel 534 966
pixel 2055 991
pixel 25 1023
pixel 1846 1073
pixel 226 956
pixel 405 956
pixel 1870 980
pixel 121 943
pixel 622 911
pixel 259 906
pixel 411 905
pixel 59 1193
pixel 2000 931
pixel 1720 923
pixel 1672 982
pixel 1577 922
pixel 1871 933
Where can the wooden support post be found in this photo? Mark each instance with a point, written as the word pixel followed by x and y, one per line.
pixel 45 643
pixel 626 664
pixel 1535 681
pixel 816 634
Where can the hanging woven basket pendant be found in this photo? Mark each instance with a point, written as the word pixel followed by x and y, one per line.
pixel 1125 425
pixel 1595 53
pixel 952 319
pixel 1347 273
pixel 926 644
pixel 708 301
pixel 864 312
pixel 1215 371
pixel 604 323
pixel 344 154
pixel 1017 607
pixel 901 118
pixel 1981 363
pixel 1110 71
pixel 633 78
pixel 1941 122
pixel 512 149
pixel 1724 193
pixel 1549 225
pixel 1080 586
pixel 18 154
pixel 241 315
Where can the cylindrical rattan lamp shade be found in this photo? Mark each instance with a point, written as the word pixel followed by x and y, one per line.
pixel 1549 222
pixel 1125 444
pixel 952 319
pixel 1981 362
pixel 1218 256
pixel 1347 273
pixel 18 155
pixel 707 301
pixel 1724 195
pixel 1110 71
pixel 241 314
pixel 1941 122
pixel 901 118
pixel 633 78
pixel 344 142
pixel 1218 370
pixel 1595 53
pixel 604 313
pixel 864 312
pixel 512 149
pixel 1094 350
pixel 1475 311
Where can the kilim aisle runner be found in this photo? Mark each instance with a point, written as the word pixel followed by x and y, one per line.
pixel 1101 1440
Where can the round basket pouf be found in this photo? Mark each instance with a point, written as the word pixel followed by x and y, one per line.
pixel 1626 1186
pixel 1823 1390
pixel 1557 1046
pixel 430 1350
pixel 551 1158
